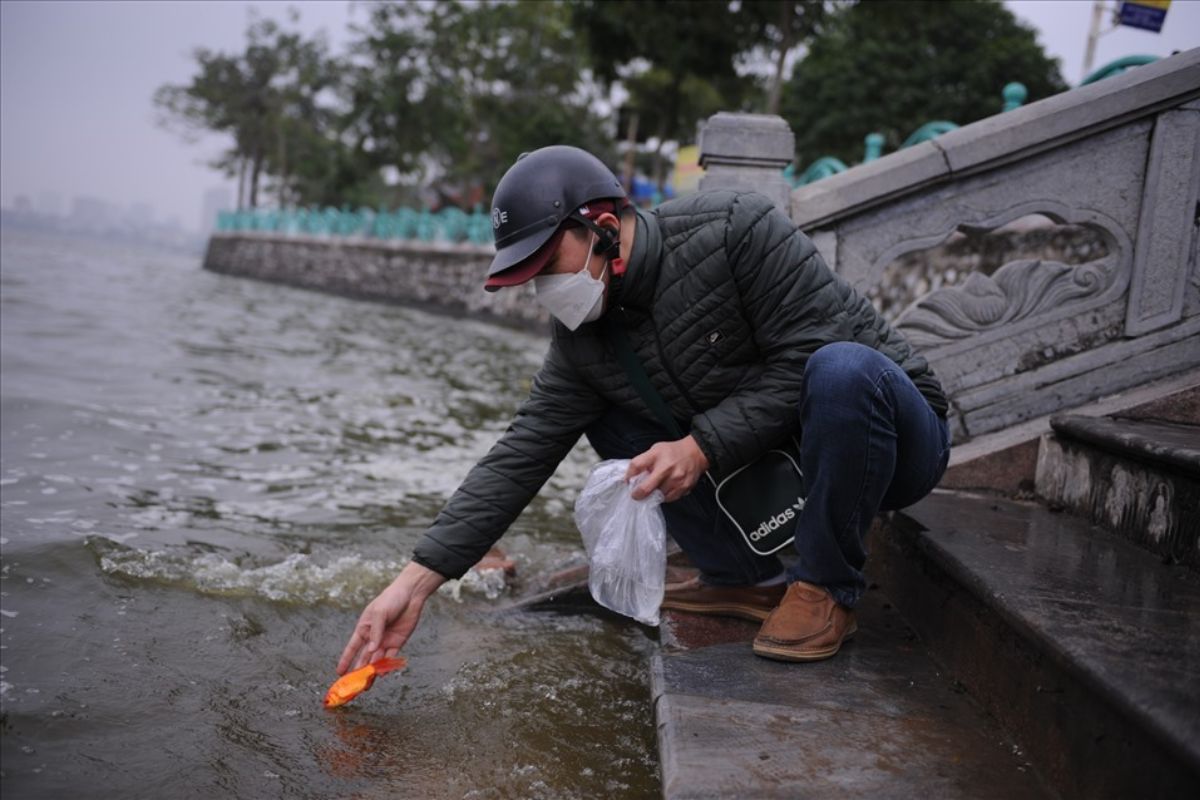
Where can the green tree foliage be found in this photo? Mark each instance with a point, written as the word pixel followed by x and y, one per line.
pixel 774 29
pixel 453 92
pixel 676 59
pixel 270 100
pixel 890 67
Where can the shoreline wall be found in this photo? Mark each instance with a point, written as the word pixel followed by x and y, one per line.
pixel 447 278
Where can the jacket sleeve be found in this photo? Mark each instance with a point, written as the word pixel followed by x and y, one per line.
pixel 794 305
pixel 546 426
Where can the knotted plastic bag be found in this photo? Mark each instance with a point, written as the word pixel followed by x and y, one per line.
pixel 626 541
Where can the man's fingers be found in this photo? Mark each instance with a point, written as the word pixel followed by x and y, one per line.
pixel 639 464
pixel 356 641
pixel 649 483
pixel 365 656
pixel 365 640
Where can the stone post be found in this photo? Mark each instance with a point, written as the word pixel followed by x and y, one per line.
pixel 749 152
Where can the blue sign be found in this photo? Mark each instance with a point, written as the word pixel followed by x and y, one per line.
pixel 1145 14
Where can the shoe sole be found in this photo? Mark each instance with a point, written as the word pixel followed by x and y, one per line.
pixel 751 613
pixel 784 653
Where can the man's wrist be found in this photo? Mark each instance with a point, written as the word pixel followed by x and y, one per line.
pixel 419 579
pixel 703 459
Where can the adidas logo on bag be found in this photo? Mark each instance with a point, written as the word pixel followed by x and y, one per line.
pixel 776 522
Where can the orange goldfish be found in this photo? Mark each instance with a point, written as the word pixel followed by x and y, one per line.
pixel 352 684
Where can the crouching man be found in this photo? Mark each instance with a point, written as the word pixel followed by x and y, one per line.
pixel 749 339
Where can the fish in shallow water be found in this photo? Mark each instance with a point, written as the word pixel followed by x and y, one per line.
pixel 352 684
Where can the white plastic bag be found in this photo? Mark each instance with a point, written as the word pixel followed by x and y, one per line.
pixel 626 541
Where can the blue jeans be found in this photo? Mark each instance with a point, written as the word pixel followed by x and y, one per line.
pixel 869 442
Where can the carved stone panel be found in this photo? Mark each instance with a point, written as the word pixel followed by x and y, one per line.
pixel 1097 178
pixel 1168 223
pixel 985 307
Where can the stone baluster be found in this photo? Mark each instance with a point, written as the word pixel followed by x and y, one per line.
pixel 747 152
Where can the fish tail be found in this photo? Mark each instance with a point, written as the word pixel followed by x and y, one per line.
pixel 386 665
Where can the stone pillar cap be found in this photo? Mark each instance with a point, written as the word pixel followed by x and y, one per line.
pixel 747 140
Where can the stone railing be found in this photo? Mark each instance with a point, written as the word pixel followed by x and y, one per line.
pixel 447 225
pixel 1116 162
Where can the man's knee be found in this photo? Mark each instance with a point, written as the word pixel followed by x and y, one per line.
pixel 842 370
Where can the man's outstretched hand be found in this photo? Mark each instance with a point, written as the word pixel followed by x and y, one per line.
pixel 671 467
pixel 388 620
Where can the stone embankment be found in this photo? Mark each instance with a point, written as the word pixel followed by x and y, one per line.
pixel 435 275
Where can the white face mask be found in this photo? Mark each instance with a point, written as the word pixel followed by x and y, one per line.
pixel 573 299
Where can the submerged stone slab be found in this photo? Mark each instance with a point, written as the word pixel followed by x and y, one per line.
pixel 878 720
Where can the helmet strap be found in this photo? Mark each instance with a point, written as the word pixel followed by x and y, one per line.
pixel 608 244
pixel 606 240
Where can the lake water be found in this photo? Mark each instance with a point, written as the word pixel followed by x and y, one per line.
pixel 202 481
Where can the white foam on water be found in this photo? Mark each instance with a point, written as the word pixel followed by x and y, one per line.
pixel 349 580
pixel 491 583
pixel 10 614
pixel 298 578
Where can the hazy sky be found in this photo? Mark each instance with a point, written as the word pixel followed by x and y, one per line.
pixel 76 80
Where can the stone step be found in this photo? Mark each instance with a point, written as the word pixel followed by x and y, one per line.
pixel 1085 647
pixel 878 720
pixel 1137 477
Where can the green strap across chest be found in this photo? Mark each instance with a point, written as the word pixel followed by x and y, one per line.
pixel 638 377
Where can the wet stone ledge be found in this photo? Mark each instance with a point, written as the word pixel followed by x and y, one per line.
pixel 439 276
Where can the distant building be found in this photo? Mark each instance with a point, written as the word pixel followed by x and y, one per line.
pixel 92 213
pixel 50 204
pixel 140 215
pixel 216 199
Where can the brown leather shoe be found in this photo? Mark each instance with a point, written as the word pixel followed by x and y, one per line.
pixel 746 602
pixel 809 625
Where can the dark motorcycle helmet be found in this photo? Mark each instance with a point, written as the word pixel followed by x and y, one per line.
pixel 538 193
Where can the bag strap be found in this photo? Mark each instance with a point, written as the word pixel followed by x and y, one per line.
pixel 638 377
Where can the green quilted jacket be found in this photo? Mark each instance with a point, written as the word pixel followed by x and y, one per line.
pixel 724 300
